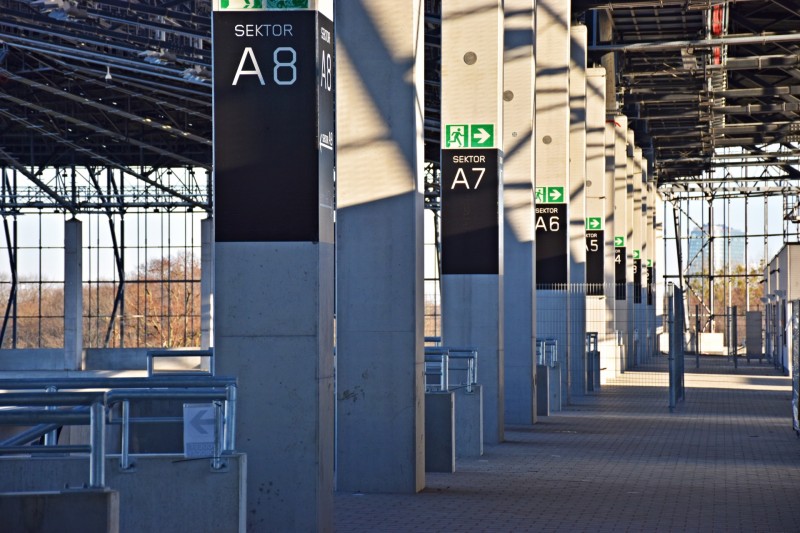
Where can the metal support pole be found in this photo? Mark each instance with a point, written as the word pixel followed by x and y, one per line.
pixel 711 263
pixel 51 437
pixel 216 461
pixel 97 470
pixel 672 343
pixel 124 459
pixel 697 335
pixel 735 335
pixel 230 418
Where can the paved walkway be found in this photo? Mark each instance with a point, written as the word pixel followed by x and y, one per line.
pixel 726 460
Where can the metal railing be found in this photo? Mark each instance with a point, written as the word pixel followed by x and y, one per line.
pixel 439 364
pixel 52 403
pixel 547 352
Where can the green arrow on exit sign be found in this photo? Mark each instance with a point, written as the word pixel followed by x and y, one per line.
pixel 595 223
pixel 649 262
pixel 555 195
pixel 619 242
pixel 636 254
pixel 550 195
pixel 481 135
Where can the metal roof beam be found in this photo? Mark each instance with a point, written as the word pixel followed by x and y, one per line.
pixel 696 43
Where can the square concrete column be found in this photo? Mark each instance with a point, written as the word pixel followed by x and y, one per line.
pixel 619 195
pixel 380 390
pixel 576 366
pixel 518 242
pixel 274 257
pixel 599 216
pixel 553 50
pixel 630 247
pixel 472 215
pixel 639 212
pixel 659 215
pixel 73 294
pixel 207 283
pixel 650 262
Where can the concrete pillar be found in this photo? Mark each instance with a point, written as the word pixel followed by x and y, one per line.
pixel 605 25
pixel 552 173
pixel 627 338
pixel 639 214
pixel 380 389
pixel 207 283
pixel 639 211
pixel 518 242
pixel 274 256
pixel 660 256
pixel 599 215
pixel 73 294
pixel 630 246
pixel 650 257
pixel 472 233
pixel 576 367
pixel 621 274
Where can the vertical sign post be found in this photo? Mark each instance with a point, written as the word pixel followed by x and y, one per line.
pixel 273 212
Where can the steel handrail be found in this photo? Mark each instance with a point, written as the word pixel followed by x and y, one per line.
pixel 113 383
pixel 439 358
pixel 442 356
pixel 471 356
pixel 42 408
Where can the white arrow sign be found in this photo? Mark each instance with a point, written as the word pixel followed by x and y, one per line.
pixel 198 432
pixel 555 195
pixel 199 423
pixel 482 135
pixel 594 223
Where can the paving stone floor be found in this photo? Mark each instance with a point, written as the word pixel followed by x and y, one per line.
pixel 727 459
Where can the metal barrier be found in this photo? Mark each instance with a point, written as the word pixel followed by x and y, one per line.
pixel 547 352
pixel 592 362
pixel 92 400
pixel 435 341
pixel 731 326
pixel 439 364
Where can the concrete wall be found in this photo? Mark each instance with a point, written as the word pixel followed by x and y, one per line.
pixel 161 493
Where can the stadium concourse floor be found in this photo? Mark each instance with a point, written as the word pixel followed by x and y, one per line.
pixel 727 459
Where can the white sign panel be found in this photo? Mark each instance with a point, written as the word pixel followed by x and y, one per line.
pixel 198 430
